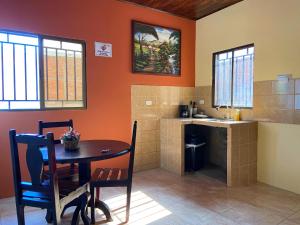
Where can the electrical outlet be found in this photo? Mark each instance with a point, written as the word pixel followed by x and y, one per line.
pixel 148 102
pixel 201 102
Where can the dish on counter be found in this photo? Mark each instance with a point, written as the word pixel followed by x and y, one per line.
pixel 200 116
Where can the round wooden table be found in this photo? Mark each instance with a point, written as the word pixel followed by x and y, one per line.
pixel 88 151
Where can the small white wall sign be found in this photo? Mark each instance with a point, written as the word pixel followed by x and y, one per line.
pixel 103 49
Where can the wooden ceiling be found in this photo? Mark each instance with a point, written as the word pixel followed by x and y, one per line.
pixel 191 9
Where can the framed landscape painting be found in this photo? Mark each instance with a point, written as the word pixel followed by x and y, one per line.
pixel 155 49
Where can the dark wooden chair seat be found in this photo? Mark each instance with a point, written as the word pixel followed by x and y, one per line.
pixel 114 177
pixel 64 172
pixel 65 188
pixel 108 176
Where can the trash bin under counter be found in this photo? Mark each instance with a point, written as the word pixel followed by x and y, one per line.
pixel 194 156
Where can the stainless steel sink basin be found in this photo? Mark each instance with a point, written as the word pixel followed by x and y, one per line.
pixel 217 120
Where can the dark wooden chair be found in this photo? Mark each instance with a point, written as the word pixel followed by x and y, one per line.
pixel 65 171
pixel 51 194
pixel 114 177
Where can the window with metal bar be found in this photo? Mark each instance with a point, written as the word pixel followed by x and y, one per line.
pixel 233 77
pixel 38 72
pixel 63 75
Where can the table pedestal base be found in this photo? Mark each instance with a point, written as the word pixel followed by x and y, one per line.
pixel 104 208
pixel 98 205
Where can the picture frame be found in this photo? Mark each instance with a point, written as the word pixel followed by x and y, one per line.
pixel 156 49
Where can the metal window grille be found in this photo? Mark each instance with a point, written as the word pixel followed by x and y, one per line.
pixel 19 72
pixel 63 73
pixel 233 77
pixel 38 72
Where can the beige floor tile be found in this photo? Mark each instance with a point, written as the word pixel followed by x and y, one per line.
pixel 216 219
pixel 270 220
pixel 288 222
pixel 295 217
pixel 297 208
pixel 246 213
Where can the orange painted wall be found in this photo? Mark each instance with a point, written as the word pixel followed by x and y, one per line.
pixel 108 79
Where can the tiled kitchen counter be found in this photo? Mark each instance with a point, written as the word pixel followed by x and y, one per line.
pixel 241 147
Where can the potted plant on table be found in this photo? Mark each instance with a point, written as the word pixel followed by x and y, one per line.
pixel 70 139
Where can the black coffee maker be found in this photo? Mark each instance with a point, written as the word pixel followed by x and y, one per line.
pixel 184 111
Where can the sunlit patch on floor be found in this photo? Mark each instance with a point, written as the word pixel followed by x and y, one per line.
pixel 144 210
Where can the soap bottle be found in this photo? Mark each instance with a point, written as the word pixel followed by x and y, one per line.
pixel 227 112
pixel 191 109
pixel 237 115
pixel 195 109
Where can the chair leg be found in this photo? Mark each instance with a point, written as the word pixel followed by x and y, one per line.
pixel 93 204
pixel 56 218
pixel 75 218
pixel 102 206
pixel 84 203
pixel 128 202
pixel 20 215
pixel 94 198
pixel 98 193
pixel 49 216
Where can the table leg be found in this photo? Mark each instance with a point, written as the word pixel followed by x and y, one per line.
pixel 104 208
pixel 84 177
pixel 84 173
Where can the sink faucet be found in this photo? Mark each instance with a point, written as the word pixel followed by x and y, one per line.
pixel 218 109
pixel 225 115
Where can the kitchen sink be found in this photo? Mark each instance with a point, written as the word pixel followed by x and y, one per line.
pixel 216 120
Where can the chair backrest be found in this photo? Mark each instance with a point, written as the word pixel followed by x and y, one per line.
pixel 35 163
pixel 44 125
pixel 132 151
